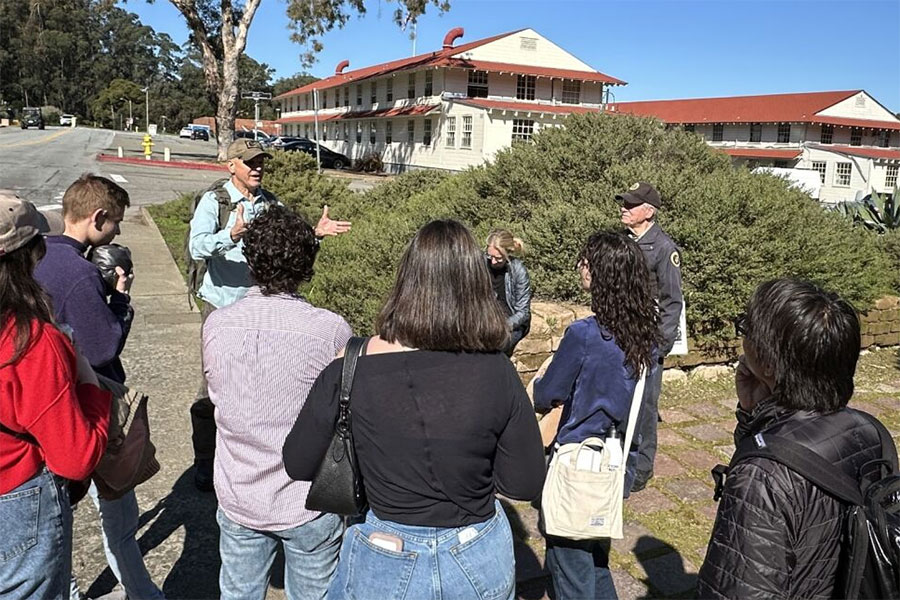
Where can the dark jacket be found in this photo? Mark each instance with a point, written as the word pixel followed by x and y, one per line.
pixel 776 534
pixel 664 263
pixel 518 296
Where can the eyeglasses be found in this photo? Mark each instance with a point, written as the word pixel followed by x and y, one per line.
pixel 740 326
pixel 494 259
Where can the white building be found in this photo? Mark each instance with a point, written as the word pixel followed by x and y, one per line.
pixel 448 109
pixel 851 140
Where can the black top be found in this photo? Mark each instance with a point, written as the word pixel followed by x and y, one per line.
pixel 437 434
pixel 498 281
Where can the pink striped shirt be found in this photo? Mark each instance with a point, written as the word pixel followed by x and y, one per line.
pixel 261 356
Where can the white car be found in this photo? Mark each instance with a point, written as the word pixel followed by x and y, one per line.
pixel 66 119
pixel 185 132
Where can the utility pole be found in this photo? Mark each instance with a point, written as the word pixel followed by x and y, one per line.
pixel 316 118
pixel 146 91
pixel 256 97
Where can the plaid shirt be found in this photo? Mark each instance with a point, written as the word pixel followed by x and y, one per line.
pixel 261 356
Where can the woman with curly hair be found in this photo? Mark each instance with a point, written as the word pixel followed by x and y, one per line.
pixel 593 376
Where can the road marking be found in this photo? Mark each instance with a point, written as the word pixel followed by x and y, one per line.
pixel 118 178
pixel 42 140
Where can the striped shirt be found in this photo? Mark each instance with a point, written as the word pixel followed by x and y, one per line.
pixel 261 356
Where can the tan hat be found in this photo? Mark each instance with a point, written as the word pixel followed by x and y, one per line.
pixel 245 150
pixel 53 223
pixel 19 222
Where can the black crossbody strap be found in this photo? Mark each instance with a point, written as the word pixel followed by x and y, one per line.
pixel 801 460
pixel 352 352
pixel 25 437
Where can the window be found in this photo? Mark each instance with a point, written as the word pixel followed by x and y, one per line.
pixel 346 131
pixel 359 132
pixel 525 87
pixel 784 133
pixel 890 178
pixel 426 134
pixel 528 43
pixel 718 131
pixel 478 84
pixel 827 134
pixel 781 164
pixel 388 132
pixel 466 141
pixel 325 132
pixel 571 92
pixel 411 86
pixel 522 130
pixel 411 131
pixel 884 138
pixel 689 127
pixel 856 136
pixel 373 93
pixel 347 95
pixel 819 165
pixel 372 131
pixel 390 89
pixel 325 99
pixel 359 94
pixel 755 132
pixel 842 174
pixel 429 83
pixel 451 132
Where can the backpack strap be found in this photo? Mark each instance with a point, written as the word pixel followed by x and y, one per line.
pixel 797 458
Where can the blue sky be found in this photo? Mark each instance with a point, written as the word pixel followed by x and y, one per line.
pixel 669 49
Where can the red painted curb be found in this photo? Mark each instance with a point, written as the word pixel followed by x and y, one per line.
pixel 177 164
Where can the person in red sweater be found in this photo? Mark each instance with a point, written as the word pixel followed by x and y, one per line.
pixel 53 418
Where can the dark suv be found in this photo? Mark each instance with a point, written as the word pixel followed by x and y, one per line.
pixel 32 117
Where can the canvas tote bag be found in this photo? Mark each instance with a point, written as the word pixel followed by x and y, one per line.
pixel 585 486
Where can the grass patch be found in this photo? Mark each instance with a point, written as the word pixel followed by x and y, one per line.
pixel 172 219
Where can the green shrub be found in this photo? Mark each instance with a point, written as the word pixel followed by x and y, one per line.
pixel 736 229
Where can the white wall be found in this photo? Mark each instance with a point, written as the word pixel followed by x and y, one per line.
pixel 859 106
pixel 509 50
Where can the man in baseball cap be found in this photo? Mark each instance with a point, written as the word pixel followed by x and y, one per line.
pixel 638 208
pixel 20 221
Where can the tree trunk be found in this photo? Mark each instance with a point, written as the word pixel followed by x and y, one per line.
pixel 227 101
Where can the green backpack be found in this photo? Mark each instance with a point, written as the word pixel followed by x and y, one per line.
pixel 196 268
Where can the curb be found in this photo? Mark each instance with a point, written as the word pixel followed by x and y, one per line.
pixel 175 164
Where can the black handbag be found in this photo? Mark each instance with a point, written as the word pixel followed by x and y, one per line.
pixel 337 487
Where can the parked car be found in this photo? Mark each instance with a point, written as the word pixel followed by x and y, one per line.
pixel 66 119
pixel 32 117
pixel 200 134
pixel 186 132
pixel 278 142
pixel 260 136
pixel 330 158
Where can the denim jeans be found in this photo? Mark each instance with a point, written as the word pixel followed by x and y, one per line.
pixel 455 563
pixel 310 557
pixel 647 424
pixel 119 525
pixel 36 539
pixel 580 569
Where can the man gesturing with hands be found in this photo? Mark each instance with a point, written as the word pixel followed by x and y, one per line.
pixel 227 277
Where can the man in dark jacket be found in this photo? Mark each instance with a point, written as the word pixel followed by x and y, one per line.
pixel 638 208
pixel 777 535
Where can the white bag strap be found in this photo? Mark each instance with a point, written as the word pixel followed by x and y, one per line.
pixel 636 401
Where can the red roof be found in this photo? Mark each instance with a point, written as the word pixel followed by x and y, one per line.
pixel 560 109
pixel 446 57
pixel 773 108
pixel 762 152
pixel 397 111
pixel 882 153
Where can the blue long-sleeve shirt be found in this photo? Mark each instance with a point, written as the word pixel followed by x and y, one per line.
pixel 79 295
pixel 589 378
pixel 227 277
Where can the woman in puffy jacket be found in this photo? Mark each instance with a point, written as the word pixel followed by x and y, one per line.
pixel 53 419
pixel 777 535
pixel 510 281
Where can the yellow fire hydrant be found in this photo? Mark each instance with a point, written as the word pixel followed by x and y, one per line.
pixel 148 146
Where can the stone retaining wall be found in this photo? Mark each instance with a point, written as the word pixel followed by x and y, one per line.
pixel 880 327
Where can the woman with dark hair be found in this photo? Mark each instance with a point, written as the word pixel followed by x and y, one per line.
pixel 777 535
pixel 510 281
pixel 53 418
pixel 441 422
pixel 593 376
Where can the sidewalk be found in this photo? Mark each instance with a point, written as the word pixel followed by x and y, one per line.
pixel 667 525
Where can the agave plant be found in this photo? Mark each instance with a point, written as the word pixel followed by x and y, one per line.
pixel 878 212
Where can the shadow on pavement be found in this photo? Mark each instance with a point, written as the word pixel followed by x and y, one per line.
pixel 532 581
pixel 666 577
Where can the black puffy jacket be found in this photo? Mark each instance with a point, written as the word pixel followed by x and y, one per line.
pixel 776 534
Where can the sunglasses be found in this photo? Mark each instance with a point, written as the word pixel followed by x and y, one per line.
pixel 740 326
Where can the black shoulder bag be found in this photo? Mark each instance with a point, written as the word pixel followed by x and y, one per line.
pixel 337 487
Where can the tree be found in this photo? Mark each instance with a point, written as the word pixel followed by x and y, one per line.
pixel 286 84
pixel 116 95
pixel 219 30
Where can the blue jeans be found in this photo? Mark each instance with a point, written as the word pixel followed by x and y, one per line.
pixel 580 569
pixel 119 525
pixel 36 539
pixel 310 557
pixel 465 563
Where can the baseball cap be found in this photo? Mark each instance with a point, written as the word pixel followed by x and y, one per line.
pixel 52 222
pixel 19 222
pixel 640 193
pixel 245 150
